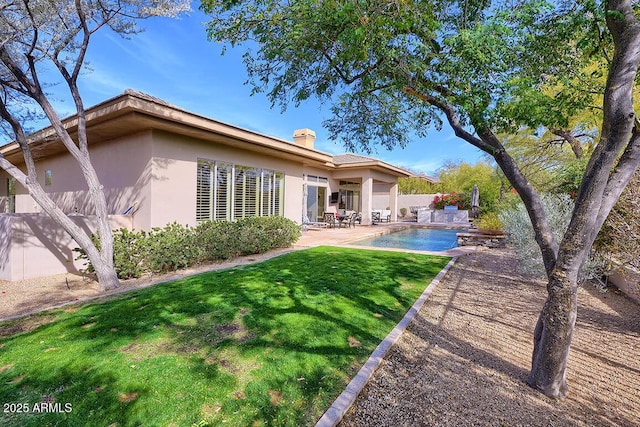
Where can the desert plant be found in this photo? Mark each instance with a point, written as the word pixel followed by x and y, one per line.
pixel 519 231
pixel 130 250
pixel 171 248
pixel 215 240
pixel 490 221
pixel 176 246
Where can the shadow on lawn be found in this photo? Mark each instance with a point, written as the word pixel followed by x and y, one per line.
pixel 282 337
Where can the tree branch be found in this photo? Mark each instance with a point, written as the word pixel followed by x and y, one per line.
pixel 452 117
pixel 574 143
pixel 490 144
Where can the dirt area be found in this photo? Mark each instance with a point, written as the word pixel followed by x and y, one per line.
pixel 34 295
pixel 464 359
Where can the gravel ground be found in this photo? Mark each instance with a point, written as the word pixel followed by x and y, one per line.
pixel 464 359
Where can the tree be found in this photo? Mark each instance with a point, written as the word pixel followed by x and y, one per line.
pixel 461 177
pixel 36 35
pixel 391 69
pixel 418 184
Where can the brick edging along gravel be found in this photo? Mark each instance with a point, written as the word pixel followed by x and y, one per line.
pixel 342 404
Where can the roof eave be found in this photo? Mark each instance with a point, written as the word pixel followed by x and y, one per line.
pixel 152 113
pixel 377 165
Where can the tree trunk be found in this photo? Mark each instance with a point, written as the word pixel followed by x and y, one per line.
pixel 107 276
pixel 552 339
pixel 609 170
pixel 101 259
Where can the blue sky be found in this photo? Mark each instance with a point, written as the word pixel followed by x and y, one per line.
pixel 173 60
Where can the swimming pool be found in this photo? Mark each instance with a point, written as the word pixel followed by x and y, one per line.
pixel 419 239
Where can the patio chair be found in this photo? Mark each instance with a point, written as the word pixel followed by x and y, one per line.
pixel 358 218
pixel 330 219
pixel 375 217
pixel 352 220
pixel 306 222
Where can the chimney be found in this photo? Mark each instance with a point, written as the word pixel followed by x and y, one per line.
pixel 304 137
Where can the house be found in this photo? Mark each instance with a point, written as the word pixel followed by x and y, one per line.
pixel 159 163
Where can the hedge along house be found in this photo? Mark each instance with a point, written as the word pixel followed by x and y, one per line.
pixel 159 164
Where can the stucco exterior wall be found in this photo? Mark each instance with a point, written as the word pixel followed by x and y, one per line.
pixel 628 281
pixel 123 167
pixel 408 200
pixel 33 245
pixel 156 169
pixel 173 188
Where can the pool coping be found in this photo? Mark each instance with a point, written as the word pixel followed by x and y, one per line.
pixel 341 405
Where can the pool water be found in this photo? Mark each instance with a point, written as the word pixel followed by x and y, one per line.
pixel 419 239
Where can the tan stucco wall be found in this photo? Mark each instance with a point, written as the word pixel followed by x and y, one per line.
pixel 33 245
pixel 173 189
pixel 628 281
pixel 122 166
pixel 409 200
pixel 158 170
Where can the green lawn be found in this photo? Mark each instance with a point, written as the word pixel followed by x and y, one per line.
pixel 272 343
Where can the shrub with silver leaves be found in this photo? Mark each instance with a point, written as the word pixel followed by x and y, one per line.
pixel 519 231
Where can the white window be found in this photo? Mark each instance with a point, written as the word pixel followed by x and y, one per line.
pixel 227 192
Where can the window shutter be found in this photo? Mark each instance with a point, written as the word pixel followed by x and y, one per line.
pixel 223 192
pixel 204 192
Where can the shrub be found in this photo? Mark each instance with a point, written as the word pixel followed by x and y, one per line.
pixel 403 212
pixel 171 248
pixel 216 240
pixel 220 240
pixel 129 253
pixel 282 232
pixel 461 200
pixel 175 246
pixel 519 230
pixel 490 221
pixel 261 234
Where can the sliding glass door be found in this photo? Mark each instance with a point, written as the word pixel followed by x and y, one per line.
pixel 316 202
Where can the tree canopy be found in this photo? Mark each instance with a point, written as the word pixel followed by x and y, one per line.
pixel 393 69
pixel 461 177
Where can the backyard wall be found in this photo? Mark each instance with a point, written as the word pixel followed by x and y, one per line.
pixel 409 200
pixel 628 281
pixel 33 245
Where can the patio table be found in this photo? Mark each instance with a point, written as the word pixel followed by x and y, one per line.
pixel 341 219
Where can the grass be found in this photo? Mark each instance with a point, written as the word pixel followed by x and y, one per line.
pixel 272 343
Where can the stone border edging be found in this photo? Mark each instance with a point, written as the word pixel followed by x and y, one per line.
pixel 341 405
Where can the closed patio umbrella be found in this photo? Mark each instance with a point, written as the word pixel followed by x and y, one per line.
pixel 475 201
